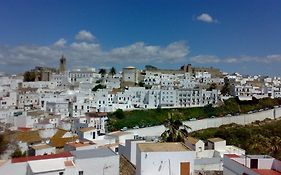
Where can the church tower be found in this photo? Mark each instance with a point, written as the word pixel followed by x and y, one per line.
pixel 62 67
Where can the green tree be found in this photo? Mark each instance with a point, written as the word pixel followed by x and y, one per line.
pixel 3 144
pixel 119 113
pixel 18 153
pixel 112 71
pixel 29 76
pixel 258 144
pixel 226 87
pixel 141 84
pixel 212 86
pixel 99 86
pixel 275 145
pixel 102 71
pixel 150 67
pixel 175 131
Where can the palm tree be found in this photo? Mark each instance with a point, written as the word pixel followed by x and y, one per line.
pixel 175 131
pixel 258 144
pixel 275 145
pixel 112 71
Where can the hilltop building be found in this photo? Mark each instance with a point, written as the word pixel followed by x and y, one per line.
pixel 62 66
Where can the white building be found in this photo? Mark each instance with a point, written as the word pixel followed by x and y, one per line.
pixel 84 162
pixel 84 75
pixel 164 159
pixel 79 145
pixel 209 157
pixel 129 149
pixel 34 165
pixel 28 98
pixel 101 161
pixel 60 80
pixel 251 165
pixel 130 74
pixel 41 149
pixel 58 108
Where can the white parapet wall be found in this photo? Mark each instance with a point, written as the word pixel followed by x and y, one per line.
pixel 242 119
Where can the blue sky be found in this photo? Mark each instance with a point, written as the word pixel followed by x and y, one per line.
pixel 238 35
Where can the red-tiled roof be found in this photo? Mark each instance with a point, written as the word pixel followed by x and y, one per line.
pixel 266 172
pixel 50 156
pixel 24 129
pixel 232 155
pixel 59 141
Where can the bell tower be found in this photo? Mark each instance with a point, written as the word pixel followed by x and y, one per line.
pixel 62 67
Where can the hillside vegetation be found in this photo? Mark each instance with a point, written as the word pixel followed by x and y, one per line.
pixel 258 138
pixel 152 117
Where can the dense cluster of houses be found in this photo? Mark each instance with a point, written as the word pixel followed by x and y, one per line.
pixel 59 121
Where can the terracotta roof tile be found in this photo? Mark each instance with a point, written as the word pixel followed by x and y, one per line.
pixel 24 129
pixel 87 129
pixel 29 136
pixel 50 156
pixel 232 155
pixel 59 141
pixel 266 172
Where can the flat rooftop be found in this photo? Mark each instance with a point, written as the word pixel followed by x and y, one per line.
pixel 41 157
pixel 217 139
pixel 192 140
pixel 42 146
pixel 79 144
pixel 162 147
pixel 48 165
pixel 93 153
pixel 119 133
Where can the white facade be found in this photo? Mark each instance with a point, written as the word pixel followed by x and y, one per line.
pixel 129 150
pixel 250 164
pixel 84 75
pixel 100 161
pixel 130 74
pixel 164 159
pixel 58 108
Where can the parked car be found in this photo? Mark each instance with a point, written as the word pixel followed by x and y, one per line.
pixel 124 129
pixel 136 127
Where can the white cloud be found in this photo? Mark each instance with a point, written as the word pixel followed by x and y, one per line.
pixel 84 35
pixel 82 53
pixel 201 59
pixel 205 17
pixel 205 59
pixel 141 53
pixel 60 43
pixel 272 58
pixel 83 46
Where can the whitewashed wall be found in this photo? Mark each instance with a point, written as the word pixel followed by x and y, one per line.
pixel 212 122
